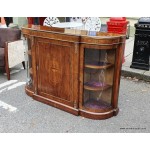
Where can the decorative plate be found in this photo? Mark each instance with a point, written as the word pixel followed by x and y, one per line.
pixel 49 21
pixel 93 24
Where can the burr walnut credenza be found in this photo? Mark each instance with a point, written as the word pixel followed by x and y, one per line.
pixel 77 71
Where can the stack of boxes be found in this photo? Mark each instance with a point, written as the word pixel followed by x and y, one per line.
pixel 117 25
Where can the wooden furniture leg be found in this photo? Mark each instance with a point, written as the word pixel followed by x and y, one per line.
pixel 6 61
pixel 7 72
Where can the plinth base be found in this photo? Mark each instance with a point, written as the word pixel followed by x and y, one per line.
pixel 140 66
pixel 100 115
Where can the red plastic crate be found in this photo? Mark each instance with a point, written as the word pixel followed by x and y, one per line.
pixel 118 19
pixel 118 24
pixel 116 30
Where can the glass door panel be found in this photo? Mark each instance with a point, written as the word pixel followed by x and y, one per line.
pixel 98 78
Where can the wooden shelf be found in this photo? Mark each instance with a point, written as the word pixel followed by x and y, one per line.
pixel 30 71
pixel 29 52
pixel 98 65
pixel 96 104
pixel 96 86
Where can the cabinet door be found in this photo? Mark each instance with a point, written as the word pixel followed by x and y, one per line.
pixel 97 80
pixel 57 72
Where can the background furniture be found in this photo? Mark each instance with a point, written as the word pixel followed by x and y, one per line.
pixel 11 49
pixel 73 71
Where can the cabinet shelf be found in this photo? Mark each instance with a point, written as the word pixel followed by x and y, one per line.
pixel 96 86
pixel 29 52
pixel 98 65
pixel 96 104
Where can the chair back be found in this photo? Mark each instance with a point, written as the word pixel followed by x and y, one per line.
pixel 9 35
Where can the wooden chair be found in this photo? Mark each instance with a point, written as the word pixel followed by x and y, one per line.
pixel 12 49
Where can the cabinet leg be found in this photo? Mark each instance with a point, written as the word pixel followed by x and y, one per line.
pixel 116 111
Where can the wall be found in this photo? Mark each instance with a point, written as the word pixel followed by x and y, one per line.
pixel 20 21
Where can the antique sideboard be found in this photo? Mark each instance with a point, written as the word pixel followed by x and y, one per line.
pixel 77 71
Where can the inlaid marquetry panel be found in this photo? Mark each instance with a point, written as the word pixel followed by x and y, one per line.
pixel 56 71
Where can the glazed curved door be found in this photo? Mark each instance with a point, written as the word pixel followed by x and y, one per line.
pixel 98 78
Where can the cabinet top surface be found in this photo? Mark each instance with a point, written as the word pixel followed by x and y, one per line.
pixel 73 32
